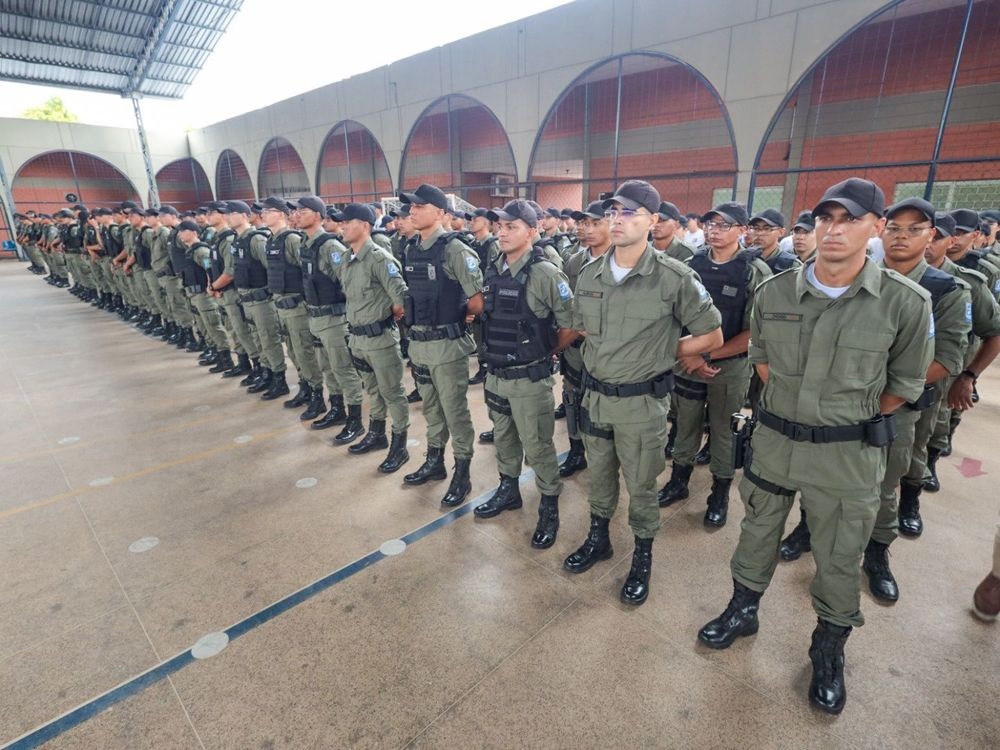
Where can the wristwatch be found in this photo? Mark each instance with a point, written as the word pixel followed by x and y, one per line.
pixel 970 374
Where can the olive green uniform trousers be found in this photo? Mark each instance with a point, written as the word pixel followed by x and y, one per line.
pixel 897 464
pixel 299 339
pixel 265 321
pixel 244 337
pixel 211 323
pixel 341 377
pixel 382 374
pixel 444 389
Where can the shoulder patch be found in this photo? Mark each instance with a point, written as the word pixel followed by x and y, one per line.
pixel 471 263
pixel 968 312
pixel 564 292
pixel 336 257
pixel 392 268
pixel 930 327
pixel 702 291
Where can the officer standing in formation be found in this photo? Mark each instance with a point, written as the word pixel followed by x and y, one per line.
pixel 485 246
pixel 668 233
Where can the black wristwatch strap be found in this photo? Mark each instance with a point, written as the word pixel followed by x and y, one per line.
pixel 971 375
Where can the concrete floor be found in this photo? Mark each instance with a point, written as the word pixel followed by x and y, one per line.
pixel 468 639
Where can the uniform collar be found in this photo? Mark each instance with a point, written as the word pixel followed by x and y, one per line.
pixel 870 279
pixel 643 268
pixel 429 243
pixel 516 268
pixel 369 245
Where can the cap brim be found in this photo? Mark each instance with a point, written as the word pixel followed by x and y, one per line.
pixel 944 232
pixel 801 225
pixel 967 229
pixel 854 209
pixel 412 198
pixel 765 220
pixel 929 217
pixel 727 217
pixel 499 215
pixel 627 202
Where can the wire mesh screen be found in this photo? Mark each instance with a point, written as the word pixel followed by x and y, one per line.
pixel 637 116
pixel 183 184
pixel 232 179
pixel 460 146
pixel 352 166
pixel 281 171
pixel 43 182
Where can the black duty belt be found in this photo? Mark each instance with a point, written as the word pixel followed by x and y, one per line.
pixel 533 372
pixel 927 397
pixel 438 333
pixel 194 289
pixel 289 302
pixel 164 272
pixel 578 343
pixel 373 329
pixel 660 386
pixel 878 432
pixel 728 359
pixel 255 295
pixel 321 311
pixel 569 373
pixel 771 487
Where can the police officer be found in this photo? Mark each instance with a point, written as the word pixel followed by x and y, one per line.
pixel 963 252
pixel 840 344
pixel 445 292
pixel 668 232
pixel 485 246
pixel 375 291
pixel 551 234
pixel 631 304
pixel 766 230
pixel 718 379
pixel 527 318
pixel 804 237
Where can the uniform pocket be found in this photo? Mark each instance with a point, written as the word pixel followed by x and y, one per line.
pixel 861 356
pixel 590 311
pixel 785 354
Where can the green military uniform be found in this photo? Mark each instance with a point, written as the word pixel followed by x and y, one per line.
pixel 487 250
pixel 439 352
pixel 173 287
pixel 829 362
pixel 163 272
pixel 677 250
pixel 244 337
pixel 57 252
pixel 154 297
pixel 204 303
pixel 383 240
pixel 291 308
pixel 29 241
pixel 571 359
pixel 633 328
pixel 373 283
pixel 261 311
pixel 550 249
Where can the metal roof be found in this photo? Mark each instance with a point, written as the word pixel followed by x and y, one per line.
pixel 144 47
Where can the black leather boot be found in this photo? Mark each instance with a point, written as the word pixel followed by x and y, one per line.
pixel 486 437
pixel 560 412
pixel 460 486
pixel 398 455
pixel 374 440
pixel 414 397
pixel 208 357
pixel 548 522
pixel 738 619
pixel 184 337
pixel 335 416
pixel 668 449
pixel 718 503
pixel 507 497
pixel 677 487
pixel 704 456
pixel 253 375
pixel 910 522
pixel 169 334
pixel 480 377
pixel 277 388
pixel 315 407
pixel 223 362
pixel 242 367
pixel 301 397
pixel 431 468
pixel 193 344
pixel 798 541
pixel 576 459
pixel 881 582
pixel 932 484
pixel 596 547
pixel 262 383
pixel 157 329
pixel 827 690
pixel 636 588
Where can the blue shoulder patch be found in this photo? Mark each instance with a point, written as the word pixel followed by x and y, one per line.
pixel 968 312
pixel 930 328
pixel 392 268
pixel 564 292
pixel 471 263
pixel 336 256
pixel 702 291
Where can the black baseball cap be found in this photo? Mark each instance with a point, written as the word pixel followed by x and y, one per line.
pixel 312 202
pixel 965 219
pixel 990 215
pixel 237 207
pixel 944 223
pixel 151 212
pixel 188 226
pixel 361 211
pixel 554 213
pixel 514 210
pixel 805 220
pixel 481 212
pixel 594 210
pixel 426 194
pixel 256 207
pixel 669 211
pixel 332 212
pixel 732 212
pixel 168 209
pixel 857 196
pixel 770 216
pixel 539 211
pixel 278 204
pixel 79 207
pixel 635 194
pixel 219 206
pixel 916 204
pixel 201 210
pixel 403 210
pixel 128 206
pixel 101 211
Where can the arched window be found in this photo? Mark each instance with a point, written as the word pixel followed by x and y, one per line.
pixel 232 179
pixel 42 183
pixel 281 171
pixel 183 184
pixel 352 166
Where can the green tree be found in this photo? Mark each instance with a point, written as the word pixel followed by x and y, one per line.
pixel 53 110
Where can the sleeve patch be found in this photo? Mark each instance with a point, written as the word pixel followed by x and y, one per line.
pixel 968 312
pixel 564 292
pixel 930 327
pixel 336 256
pixel 392 269
pixel 471 263
pixel 702 291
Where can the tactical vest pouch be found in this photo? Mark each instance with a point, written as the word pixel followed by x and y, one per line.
pixel 288 303
pixel 421 374
pixel 498 403
pixel 927 397
pixel 880 431
pixel 589 428
pixel 255 295
pixel 360 365
pixel 690 389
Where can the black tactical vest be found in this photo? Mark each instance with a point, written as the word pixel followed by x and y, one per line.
pixel 513 334
pixel 282 276
pixel 938 283
pixel 728 284
pixel 482 250
pixel 780 261
pixel 218 257
pixel 434 299
pixel 192 274
pixel 319 288
pixel 176 252
pixel 144 248
pixel 73 239
pixel 249 273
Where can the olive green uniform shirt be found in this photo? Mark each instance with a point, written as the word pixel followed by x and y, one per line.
pixel 383 240
pixel 677 250
pixel 372 283
pixel 633 327
pixel 160 249
pixel 952 322
pixel 829 362
pixel 226 252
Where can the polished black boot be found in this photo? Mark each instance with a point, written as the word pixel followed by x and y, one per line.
pixel 431 468
pixel 704 456
pixel 301 398
pixel 507 497
pixel 560 412
pixel 677 488
pixel 486 437
pixel 374 440
pixel 718 503
pixel 315 407
pixel 636 587
pixel 931 484
pixel 881 582
pixel 414 396
pixel 242 367
pixel 480 377
pixel 910 522
pixel 668 449
pixel 596 547
pixel 193 345
pixel 797 542
pixel 277 388
pixel 208 357
pixel 157 329
pixel 168 332
pixel 353 427
pixel 223 362
pixel 176 334
pixel 262 383
pixel 254 375
pixel 827 690
pixel 335 416
pixel 460 486
pixel 576 459
pixel 398 455
pixel 738 619
pixel 548 522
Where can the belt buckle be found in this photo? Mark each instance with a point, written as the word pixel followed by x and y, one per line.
pixel 802 433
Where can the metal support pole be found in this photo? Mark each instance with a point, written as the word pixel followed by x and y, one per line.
pixel 7 200
pixel 154 193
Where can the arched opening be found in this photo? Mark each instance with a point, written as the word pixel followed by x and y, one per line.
pixel 352 166
pixel 638 116
pixel 281 171
pixel 183 184
pixel 459 145
pixel 232 178
pixel 41 184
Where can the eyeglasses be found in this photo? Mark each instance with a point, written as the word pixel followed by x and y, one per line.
pixel 718 226
pixel 764 229
pixel 622 213
pixel 914 231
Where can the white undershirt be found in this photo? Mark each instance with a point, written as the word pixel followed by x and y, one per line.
pixel 617 271
pixel 833 292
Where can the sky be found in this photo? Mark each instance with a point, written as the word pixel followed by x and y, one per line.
pixel 320 50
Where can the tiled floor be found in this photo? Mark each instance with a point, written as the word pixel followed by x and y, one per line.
pixel 468 639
